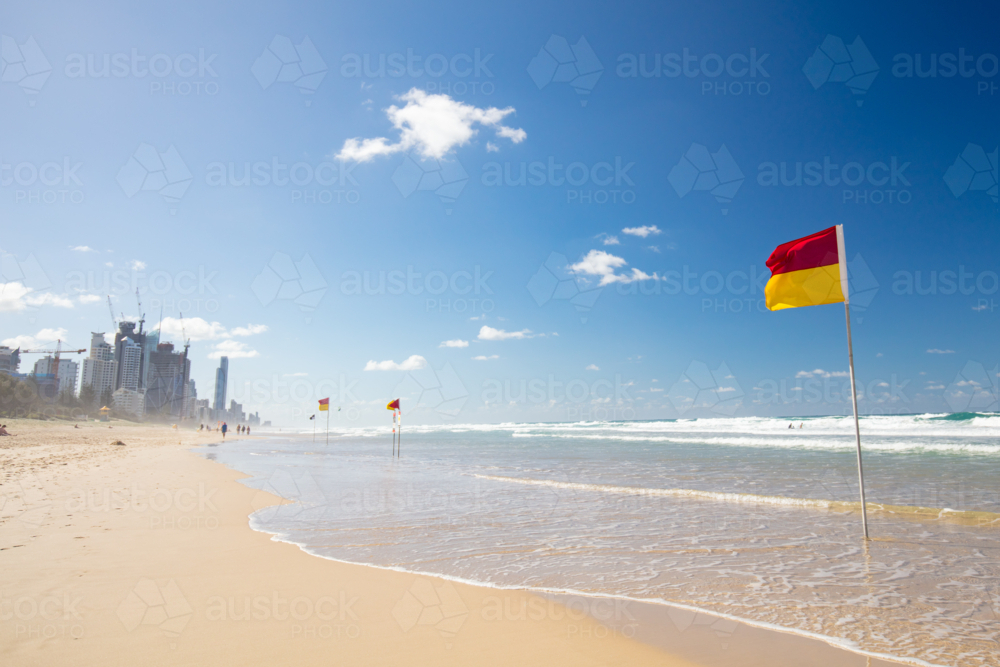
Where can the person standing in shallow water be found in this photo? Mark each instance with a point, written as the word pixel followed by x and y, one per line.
pixel 224 429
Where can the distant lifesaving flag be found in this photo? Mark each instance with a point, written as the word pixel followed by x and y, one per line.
pixel 393 406
pixel 324 404
pixel 810 271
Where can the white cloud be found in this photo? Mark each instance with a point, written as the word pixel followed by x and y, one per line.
pixel 233 349
pixel 12 296
pixel 110 265
pixel 937 351
pixel 603 264
pixel 656 389
pixel 44 338
pixel 48 299
pixel 88 298
pixel 15 297
pixel 197 329
pixel 137 265
pixel 454 343
pixel 413 363
pixel 654 248
pixel 483 357
pixel 478 317
pixel 608 239
pixel 82 248
pixel 934 386
pixel 492 147
pixel 433 125
pixel 644 231
pixel 489 333
pixel 592 367
pixel 820 373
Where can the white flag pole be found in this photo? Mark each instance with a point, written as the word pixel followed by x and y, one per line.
pixel 842 257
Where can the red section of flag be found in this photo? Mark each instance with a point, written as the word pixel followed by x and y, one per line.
pixel 393 406
pixel 808 252
pixel 324 401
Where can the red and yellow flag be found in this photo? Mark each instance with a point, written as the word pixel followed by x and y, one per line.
pixel 809 271
pixel 324 404
pixel 393 406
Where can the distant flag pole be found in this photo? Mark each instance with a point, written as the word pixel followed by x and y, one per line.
pixel 324 406
pixel 812 271
pixel 312 418
pixel 394 406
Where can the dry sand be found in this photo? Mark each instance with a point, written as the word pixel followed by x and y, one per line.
pixel 142 554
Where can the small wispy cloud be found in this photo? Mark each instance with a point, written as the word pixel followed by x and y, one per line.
pixel 454 343
pixel 483 357
pixel 643 232
pixel 937 351
pixel 233 349
pixel 592 367
pixel 489 333
pixel 82 248
pixel 413 363
pixel 820 373
pixel 604 264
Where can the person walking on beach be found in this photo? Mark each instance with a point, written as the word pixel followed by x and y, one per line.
pixel 225 428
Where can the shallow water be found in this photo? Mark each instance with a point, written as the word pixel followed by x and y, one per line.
pixel 742 517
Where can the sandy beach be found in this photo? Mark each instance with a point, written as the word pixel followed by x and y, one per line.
pixel 141 554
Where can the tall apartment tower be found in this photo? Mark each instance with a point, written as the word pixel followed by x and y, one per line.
pixel 221 380
pixel 125 339
pixel 130 365
pixel 99 369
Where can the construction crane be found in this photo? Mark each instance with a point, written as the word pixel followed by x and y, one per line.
pixel 184 366
pixel 111 309
pixel 142 315
pixel 56 354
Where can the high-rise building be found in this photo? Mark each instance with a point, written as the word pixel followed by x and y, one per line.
pixel 236 413
pixel 125 338
pixel 221 379
pixel 99 369
pixel 45 369
pixel 9 360
pixel 168 381
pixel 130 365
pixel 152 340
pixel 191 400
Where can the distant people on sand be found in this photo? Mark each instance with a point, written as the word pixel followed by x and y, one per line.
pixel 225 427
pixel 3 430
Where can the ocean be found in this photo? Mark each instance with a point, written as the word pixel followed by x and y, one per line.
pixel 742 517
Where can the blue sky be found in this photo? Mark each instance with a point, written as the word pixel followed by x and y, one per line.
pixel 754 82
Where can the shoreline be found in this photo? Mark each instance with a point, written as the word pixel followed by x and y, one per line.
pixel 146 552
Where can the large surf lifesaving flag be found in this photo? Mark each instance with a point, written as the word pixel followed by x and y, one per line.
pixel 324 404
pixel 809 271
pixel 393 405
